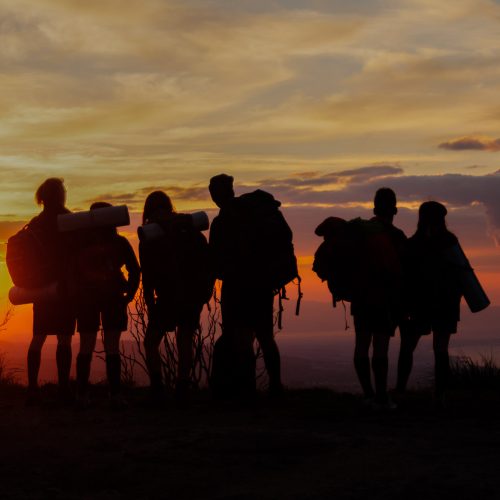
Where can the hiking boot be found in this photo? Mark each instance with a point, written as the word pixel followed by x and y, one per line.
pixel 117 402
pixel 182 394
pixel 65 396
pixel 440 402
pixel 82 401
pixel 33 397
pixel 157 397
pixel 383 405
pixel 368 401
pixel 276 391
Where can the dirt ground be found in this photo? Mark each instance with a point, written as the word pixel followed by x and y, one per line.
pixel 314 444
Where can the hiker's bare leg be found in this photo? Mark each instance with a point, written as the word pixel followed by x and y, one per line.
pixel 34 359
pixel 264 332
pixel 440 343
pixel 409 341
pixel 380 365
pixel 63 361
pixel 184 338
pixel 245 361
pixel 362 344
pixel 152 341
pixel 113 360
pixel 272 359
pixel 84 360
pixel 87 342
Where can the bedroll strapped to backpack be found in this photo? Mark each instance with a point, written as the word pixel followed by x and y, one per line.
pixel 27 262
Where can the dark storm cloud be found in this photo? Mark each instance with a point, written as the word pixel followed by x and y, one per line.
pixel 471 143
pixel 363 174
pixel 351 176
pixel 455 190
pixel 194 193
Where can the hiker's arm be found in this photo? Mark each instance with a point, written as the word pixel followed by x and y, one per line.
pixel 216 247
pixel 287 232
pixel 133 270
pixel 147 282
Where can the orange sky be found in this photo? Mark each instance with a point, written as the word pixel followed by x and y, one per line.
pixel 320 102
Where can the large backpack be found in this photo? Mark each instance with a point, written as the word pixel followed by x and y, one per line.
pixel 357 259
pixel 180 261
pixel 265 244
pixel 27 260
pixel 335 259
pixel 96 268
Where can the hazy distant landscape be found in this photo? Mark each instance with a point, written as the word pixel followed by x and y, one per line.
pixel 318 353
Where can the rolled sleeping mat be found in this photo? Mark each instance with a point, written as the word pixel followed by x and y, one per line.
pixel 150 232
pixel 474 294
pixel 19 296
pixel 154 231
pixel 99 217
pixel 200 221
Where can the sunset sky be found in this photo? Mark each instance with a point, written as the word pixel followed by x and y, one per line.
pixel 319 102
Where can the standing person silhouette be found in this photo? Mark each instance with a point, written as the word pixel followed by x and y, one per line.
pixel 101 296
pixel 52 316
pixel 376 304
pixel 177 282
pixel 434 293
pixel 246 303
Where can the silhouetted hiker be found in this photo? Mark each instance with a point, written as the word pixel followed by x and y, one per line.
pixel 252 248
pixel 101 294
pixel 177 282
pixel 433 291
pixel 52 315
pixel 376 303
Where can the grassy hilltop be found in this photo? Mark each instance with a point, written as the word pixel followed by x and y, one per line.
pixel 313 444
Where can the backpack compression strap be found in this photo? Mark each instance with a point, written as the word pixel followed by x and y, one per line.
pixel 283 296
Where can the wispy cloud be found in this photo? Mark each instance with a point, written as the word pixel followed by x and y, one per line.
pixel 168 93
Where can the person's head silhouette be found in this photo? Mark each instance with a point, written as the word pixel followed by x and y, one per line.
pixel 51 194
pixel 100 204
pixel 431 218
pixel 385 204
pixel 221 189
pixel 157 205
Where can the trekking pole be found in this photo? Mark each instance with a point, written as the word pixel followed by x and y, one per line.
pixel 281 296
pixel 299 297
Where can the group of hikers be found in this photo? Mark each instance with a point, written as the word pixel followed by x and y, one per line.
pixel 391 282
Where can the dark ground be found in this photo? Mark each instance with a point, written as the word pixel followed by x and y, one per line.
pixel 314 444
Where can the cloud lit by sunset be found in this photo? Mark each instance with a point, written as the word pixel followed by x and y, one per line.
pixel 319 102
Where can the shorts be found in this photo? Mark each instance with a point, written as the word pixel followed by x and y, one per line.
pixel 375 323
pixel 111 314
pixel 166 316
pixel 436 326
pixel 53 317
pixel 247 308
